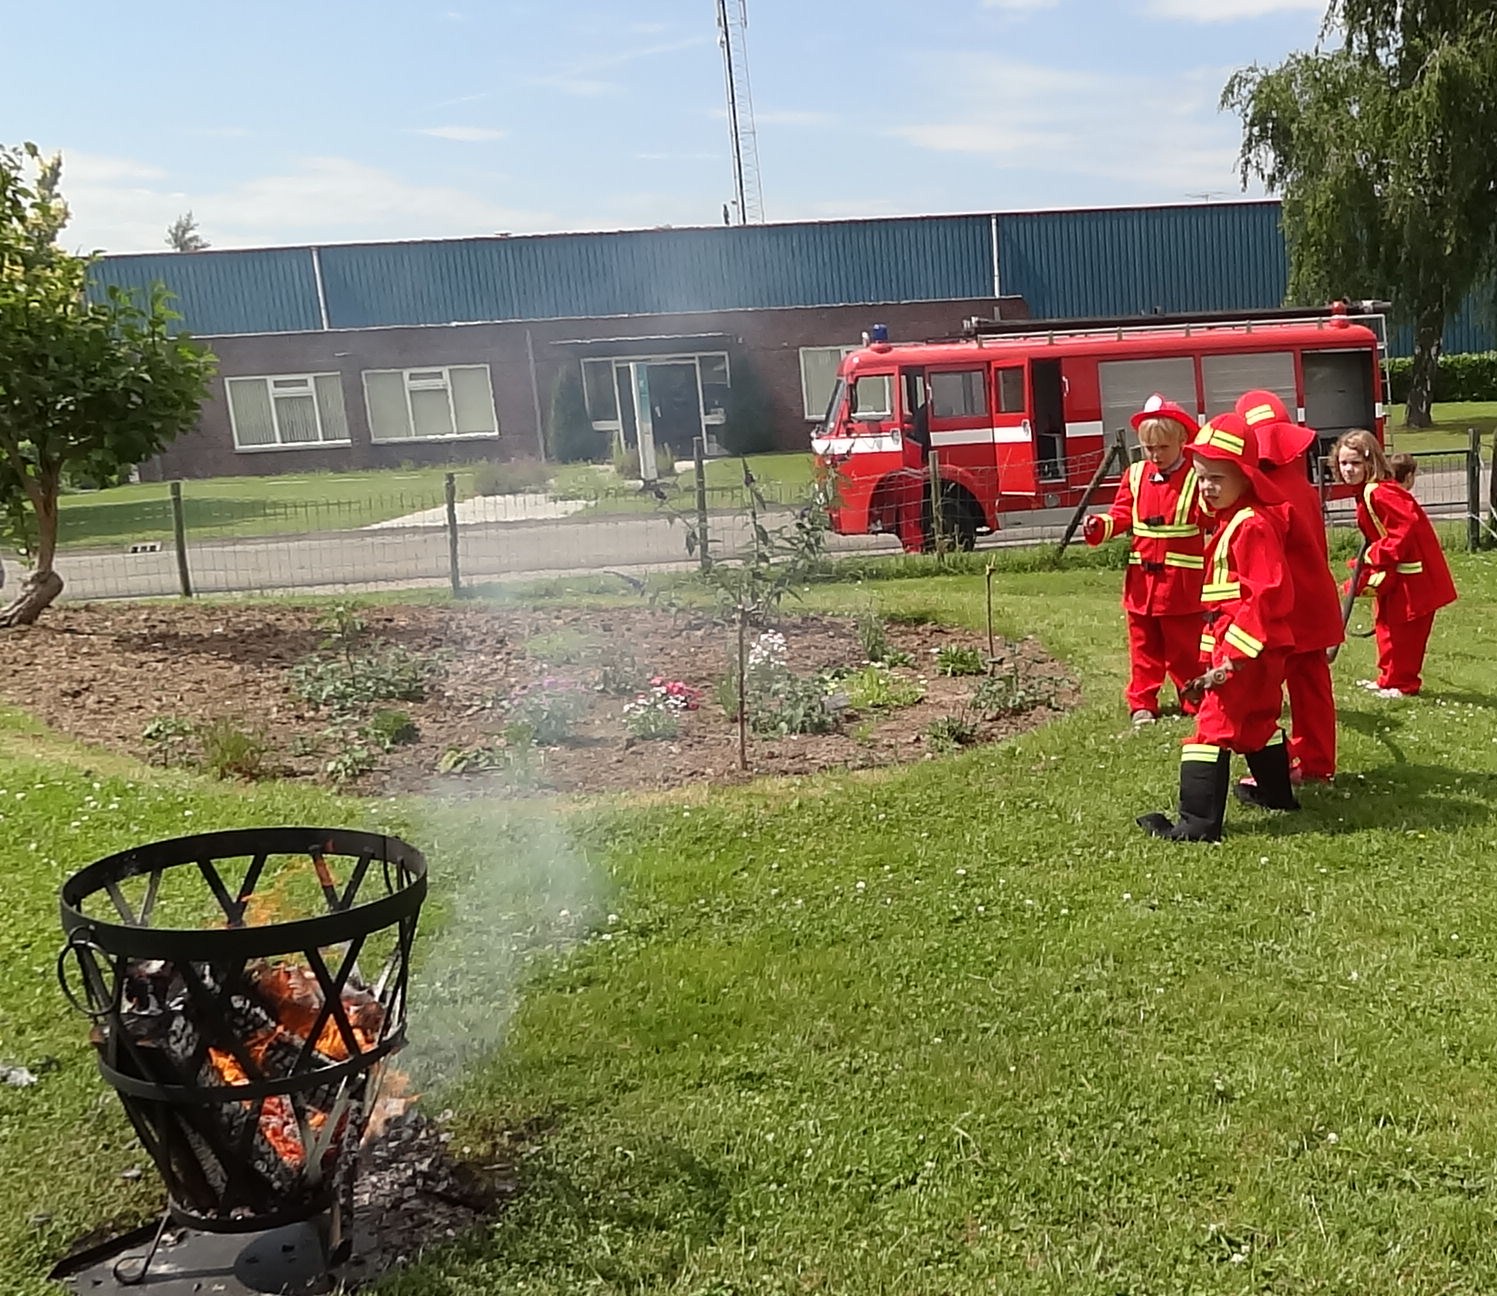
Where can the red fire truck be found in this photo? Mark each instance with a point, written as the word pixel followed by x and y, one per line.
pixel 1019 414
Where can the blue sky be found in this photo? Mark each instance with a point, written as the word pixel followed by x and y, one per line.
pixel 325 121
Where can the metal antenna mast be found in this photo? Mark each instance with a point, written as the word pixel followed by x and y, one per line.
pixel 732 22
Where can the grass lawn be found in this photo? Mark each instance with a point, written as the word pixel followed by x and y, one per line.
pixel 958 1028
pixel 1450 430
pixel 250 506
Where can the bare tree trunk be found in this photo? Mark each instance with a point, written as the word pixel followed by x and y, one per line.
pixel 43 585
pixel 1428 339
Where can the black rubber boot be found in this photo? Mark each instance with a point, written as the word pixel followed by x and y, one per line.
pixel 1204 773
pixel 1271 788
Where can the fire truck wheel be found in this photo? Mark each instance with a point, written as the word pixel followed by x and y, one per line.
pixel 961 515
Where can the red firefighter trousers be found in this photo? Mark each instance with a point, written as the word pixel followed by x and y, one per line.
pixel 1400 651
pixel 1160 645
pixel 1242 715
pixel 1312 705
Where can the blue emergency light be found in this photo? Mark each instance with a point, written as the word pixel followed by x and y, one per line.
pixel 879 333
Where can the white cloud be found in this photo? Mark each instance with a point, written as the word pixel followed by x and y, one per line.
pixel 1163 140
pixel 1208 11
pixel 581 77
pixel 464 134
pixel 1019 6
pixel 125 206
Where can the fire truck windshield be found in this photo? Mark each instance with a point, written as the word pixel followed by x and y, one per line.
pixel 829 422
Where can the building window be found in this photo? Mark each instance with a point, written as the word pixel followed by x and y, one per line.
pixel 957 395
pixel 430 404
pixel 605 382
pixel 281 410
pixel 601 393
pixel 818 376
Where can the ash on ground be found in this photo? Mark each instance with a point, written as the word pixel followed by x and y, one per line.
pixel 411 1195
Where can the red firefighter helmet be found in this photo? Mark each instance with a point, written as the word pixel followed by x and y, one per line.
pixel 1280 439
pixel 1228 439
pixel 1158 407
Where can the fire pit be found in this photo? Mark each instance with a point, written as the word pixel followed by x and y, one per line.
pixel 246 990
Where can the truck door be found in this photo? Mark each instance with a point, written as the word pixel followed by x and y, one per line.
pixel 961 429
pixel 1013 435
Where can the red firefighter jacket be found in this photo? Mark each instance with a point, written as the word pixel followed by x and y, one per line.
pixel 1248 593
pixel 1315 618
pixel 1405 565
pixel 1163 514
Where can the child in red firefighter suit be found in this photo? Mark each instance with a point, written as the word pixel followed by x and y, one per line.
pixel 1248 597
pixel 1157 505
pixel 1404 566
pixel 1315 618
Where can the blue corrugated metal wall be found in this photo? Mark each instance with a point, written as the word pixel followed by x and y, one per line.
pixel 658 271
pixel 269 290
pixel 1126 262
pixel 1227 256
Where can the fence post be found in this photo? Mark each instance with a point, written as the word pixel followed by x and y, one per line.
pixel 450 486
pixel 1473 490
pixel 1117 450
pixel 699 466
pixel 937 523
pixel 179 537
pixel 1492 490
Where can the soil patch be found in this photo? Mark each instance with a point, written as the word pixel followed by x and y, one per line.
pixel 104 673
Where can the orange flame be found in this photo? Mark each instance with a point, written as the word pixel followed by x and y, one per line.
pixel 278 1123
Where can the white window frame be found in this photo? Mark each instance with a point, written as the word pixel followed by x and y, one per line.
pixel 694 358
pixel 805 396
pixel 410 411
pixel 310 380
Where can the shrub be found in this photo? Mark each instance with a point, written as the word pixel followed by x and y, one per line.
pixel 953 661
pixel 876 688
pixel 626 464
pixel 657 714
pixel 344 683
pixel 949 732
pixel 227 751
pixel 570 436
pixel 353 760
pixel 510 477
pixel 1002 695
pixel 387 729
pixel 550 709
pixel 1466 377
pixel 778 701
pixel 169 742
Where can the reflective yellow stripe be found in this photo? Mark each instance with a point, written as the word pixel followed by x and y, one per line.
pixel 1409 569
pixel 1195 562
pixel 1135 480
pixel 1208 644
pixel 1244 642
pixel 1220 592
pixel 1367 500
pixel 1219 440
pixel 1259 414
pixel 1199 752
pixel 1169 531
pixel 1135 559
pixel 1187 498
pixel 1108 526
pixel 1219 588
pixel 1376 579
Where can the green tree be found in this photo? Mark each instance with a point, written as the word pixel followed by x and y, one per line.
pixel 182 235
pixel 570 436
pixel 87 387
pixel 1384 150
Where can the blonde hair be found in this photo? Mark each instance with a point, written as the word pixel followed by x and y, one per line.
pixel 1404 467
pixel 1163 428
pixel 1371 454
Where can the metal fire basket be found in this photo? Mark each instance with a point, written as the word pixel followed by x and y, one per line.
pixel 247 1043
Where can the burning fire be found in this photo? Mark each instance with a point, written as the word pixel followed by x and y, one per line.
pixel 294 997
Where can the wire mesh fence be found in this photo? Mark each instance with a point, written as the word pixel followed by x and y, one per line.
pixel 174 539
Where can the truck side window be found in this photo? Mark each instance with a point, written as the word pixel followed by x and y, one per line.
pixel 1010 383
pixel 958 395
pixel 870 397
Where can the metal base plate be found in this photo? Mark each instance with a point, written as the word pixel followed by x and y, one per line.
pixel 286 1261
